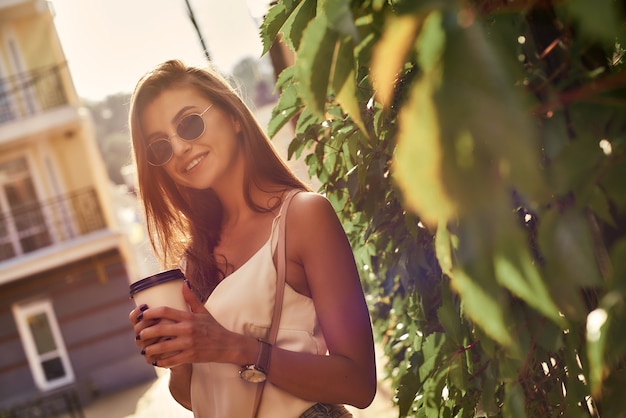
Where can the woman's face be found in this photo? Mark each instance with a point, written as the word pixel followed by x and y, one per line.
pixel 209 161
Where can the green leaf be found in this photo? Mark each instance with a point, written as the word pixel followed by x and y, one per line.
pixel 272 23
pixel 598 19
pixel 354 186
pixel 344 82
pixel 407 388
pixel 487 402
pixel 431 43
pixel 431 352
pixel 417 165
pixel 285 78
pixel 449 316
pixel 297 21
pixel 516 271
pixel 390 52
pixel 485 310
pixel 295 148
pixel 514 401
pixel 599 204
pixel 508 369
pixel 443 248
pixel 554 135
pixel 456 373
pixel 287 107
pixel 567 243
pixel 306 120
pixel 614 184
pixel 549 336
pixel 573 168
pixel 340 18
pixel 290 4
pixel 378 4
pixel 315 57
pixel 617 279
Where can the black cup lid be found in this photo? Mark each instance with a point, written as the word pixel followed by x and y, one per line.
pixel 148 282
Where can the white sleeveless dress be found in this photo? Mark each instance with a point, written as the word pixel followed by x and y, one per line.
pixel 243 303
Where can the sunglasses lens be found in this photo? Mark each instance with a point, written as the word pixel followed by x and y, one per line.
pixel 159 152
pixel 190 127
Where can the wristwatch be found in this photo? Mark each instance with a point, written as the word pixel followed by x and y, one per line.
pixel 257 372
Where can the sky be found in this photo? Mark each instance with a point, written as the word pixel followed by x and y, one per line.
pixel 109 44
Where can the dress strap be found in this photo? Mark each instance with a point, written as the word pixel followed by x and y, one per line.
pixel 274 235
pixel 280 285
pixel 281 267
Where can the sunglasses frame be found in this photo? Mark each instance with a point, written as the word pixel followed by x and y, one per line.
pixel 175 133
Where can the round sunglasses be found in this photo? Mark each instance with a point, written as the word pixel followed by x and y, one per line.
pixel 159 152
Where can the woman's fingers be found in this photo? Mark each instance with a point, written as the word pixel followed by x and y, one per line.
pixel 136 314
pixel 162 352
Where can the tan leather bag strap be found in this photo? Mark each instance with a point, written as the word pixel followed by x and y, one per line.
pixel 281 266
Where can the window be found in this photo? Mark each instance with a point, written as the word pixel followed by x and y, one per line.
pixel 43 344
pixel 23 226
pixel 6 109
pixel 24 79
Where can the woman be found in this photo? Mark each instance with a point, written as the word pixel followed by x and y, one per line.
pixel 212 187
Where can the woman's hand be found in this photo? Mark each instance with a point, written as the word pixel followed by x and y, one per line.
pixel 136 319
pixel 169 337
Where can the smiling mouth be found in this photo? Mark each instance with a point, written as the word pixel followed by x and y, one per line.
pixel 194 162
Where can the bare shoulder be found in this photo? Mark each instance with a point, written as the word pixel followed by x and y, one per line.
pixel 310 206
pixel 313 223
pixel 304 198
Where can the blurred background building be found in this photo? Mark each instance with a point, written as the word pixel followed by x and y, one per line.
pixel 72 235
pixel 65 262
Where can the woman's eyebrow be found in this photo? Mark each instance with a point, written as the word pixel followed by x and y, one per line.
pixel 174 119
pixel 180 113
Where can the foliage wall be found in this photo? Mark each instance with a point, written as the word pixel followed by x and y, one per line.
pixel 475 151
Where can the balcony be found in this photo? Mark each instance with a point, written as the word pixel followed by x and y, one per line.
pixel 26 94
pixel 45 235
pixel 34 226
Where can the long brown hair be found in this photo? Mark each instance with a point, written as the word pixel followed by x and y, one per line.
pixel 183 222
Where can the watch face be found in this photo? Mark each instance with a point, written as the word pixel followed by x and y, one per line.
pixel 250 374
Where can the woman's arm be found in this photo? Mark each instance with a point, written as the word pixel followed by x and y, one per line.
pixel 317 244
pixel 180 383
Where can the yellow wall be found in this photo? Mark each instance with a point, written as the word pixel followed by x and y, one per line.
pixel 74 161
pixel 33 36
pixel 39 47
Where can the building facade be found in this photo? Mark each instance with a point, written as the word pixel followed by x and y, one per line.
pixel 65 265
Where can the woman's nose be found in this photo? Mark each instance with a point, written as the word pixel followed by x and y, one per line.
pixel 179 146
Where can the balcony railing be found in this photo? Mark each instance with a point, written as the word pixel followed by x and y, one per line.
pixel 34 226
pixel 26 94
pixel 64 403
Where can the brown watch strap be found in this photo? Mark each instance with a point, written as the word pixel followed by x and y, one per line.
pixel 263 358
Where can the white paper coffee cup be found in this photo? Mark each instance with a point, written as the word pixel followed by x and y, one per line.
pixel 161 289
